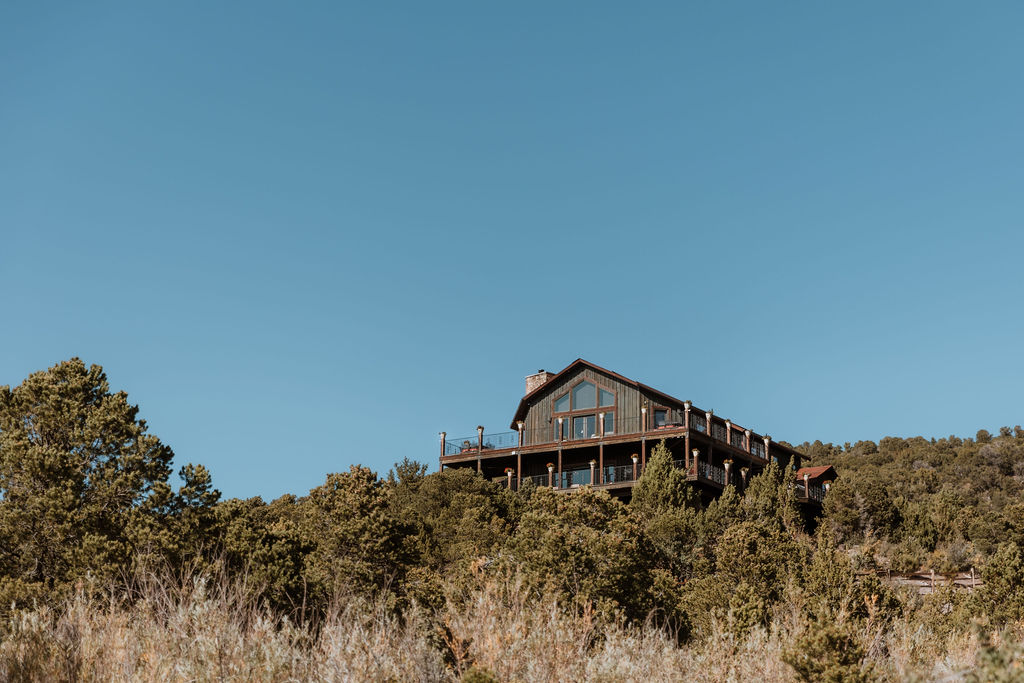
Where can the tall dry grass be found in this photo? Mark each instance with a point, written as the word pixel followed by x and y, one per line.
pixel 216 631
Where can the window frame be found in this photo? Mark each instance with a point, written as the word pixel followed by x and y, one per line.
pixel 568 432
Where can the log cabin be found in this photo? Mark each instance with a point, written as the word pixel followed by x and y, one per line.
pixel 588 426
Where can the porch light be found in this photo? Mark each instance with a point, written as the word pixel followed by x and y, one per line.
pixel 636 458
pixel 551 467
pixel 696 453
pixel 593 462
pixel 521 424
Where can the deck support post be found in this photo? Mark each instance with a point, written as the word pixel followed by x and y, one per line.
pixel 440 460
pixel 686 423
pixel 635 459
pixel 519 468
pixel 559 466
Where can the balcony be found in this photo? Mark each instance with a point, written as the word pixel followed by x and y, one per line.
pixel 815 492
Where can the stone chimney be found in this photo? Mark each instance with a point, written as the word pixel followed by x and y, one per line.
pixel 539 379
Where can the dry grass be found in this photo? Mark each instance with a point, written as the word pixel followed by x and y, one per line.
pixel 216 632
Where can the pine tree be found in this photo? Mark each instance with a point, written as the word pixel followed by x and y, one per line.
pixel 75 464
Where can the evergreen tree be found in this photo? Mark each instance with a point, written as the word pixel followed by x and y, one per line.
pixel 75 464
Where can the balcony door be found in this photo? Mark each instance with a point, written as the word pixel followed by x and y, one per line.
pixel 584 426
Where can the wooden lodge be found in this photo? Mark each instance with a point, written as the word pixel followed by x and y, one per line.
pixel 589 426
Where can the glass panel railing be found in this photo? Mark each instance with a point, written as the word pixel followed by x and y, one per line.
pixel 737 440
pixel 577 428
pixel 577 477
pixel 471 444
pixel 616 474
pixel 757 448
pixel 541 479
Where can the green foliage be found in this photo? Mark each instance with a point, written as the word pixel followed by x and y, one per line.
pixel 760 554
pixel 662 486
pixel 829 653
pixel 999 660
pixel 265 544
pixel 770 499
pixel 357 543
pixel 85 497
pixel 76 464
pixel 1001 597
pixel 586 547
pixel 457 515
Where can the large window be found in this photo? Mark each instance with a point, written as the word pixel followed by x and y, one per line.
pixel 584 396
pixel 580 409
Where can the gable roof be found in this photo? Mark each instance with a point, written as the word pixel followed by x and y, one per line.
pixel 815 472
pixel 524 403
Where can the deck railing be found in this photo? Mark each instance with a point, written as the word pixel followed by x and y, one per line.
pixel 698 423
pixel 616 474
pixel 576 477
pixel 718 432
pixel 711 472
pixel 812 492
pixel 471 444
pixel 737 439
pixel 540 479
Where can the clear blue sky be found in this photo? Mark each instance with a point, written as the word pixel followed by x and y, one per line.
pixel 307 235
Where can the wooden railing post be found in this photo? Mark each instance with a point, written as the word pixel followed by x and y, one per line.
pixel 440 460
pixel 686 424
pixel 479 448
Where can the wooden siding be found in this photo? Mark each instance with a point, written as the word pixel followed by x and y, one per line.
pixel 628 399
